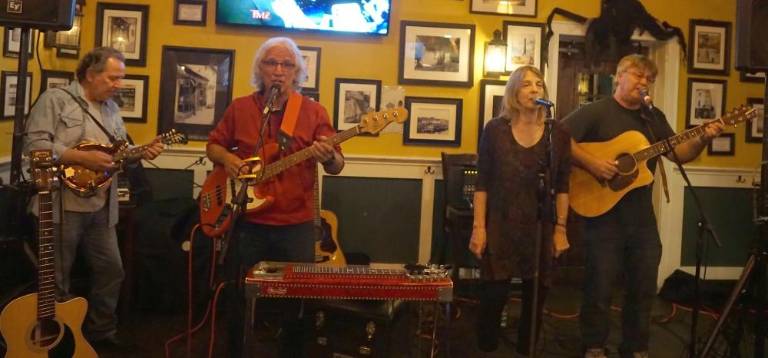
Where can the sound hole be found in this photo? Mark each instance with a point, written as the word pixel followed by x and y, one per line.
pixel 626 164
pixel 45 333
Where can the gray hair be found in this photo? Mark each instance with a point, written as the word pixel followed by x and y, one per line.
pixel 96 61
pixel 301 66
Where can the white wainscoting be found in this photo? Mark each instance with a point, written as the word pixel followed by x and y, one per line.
pixel 670 215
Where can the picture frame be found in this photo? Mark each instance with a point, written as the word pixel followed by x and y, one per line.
pixel 439 54
pixel 190 13
pixel 758 77
pixel 754 129
pixel 311 57
pixel 131 97
pixel 124 28
pixel 433 121
pixel 524 44
pixel 491 97
pixel 709 47
pixel 8 82
pixel 195 89
pixel 55 79
pixel 354 98
pixel 722 145
pixel 505 7
pixel 66 39
pixel 706 100
pixel 12 42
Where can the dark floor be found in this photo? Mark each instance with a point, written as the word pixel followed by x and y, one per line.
pixel 151 330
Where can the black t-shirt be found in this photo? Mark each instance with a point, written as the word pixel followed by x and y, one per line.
pixel 605 119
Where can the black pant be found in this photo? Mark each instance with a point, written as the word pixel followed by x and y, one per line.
pixel 492 300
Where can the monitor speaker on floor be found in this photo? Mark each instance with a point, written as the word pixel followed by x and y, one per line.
pixel 751 36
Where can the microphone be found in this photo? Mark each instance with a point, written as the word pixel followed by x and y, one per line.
pixel 647 101
pixel 544 102
pixel 273 93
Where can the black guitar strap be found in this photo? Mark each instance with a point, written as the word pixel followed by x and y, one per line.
pixel 112 138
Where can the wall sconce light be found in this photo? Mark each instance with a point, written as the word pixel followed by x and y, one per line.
pixel 495 55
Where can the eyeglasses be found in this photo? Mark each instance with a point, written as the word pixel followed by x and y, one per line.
pixel 640 76
pixel 272 64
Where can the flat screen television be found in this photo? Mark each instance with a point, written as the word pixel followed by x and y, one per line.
pixel 348 16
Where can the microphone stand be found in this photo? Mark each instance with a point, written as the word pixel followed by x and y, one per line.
pixel 545 197
pixel 704 228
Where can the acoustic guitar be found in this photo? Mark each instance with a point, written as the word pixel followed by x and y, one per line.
pixel 84 182
pixel 219 191
pixel 631 150
pixel 36 325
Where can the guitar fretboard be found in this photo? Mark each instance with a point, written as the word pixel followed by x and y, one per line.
pixel 279 166
pixel 46 296
pixel 665 146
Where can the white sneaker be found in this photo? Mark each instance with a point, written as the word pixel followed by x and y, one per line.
pixel 595 353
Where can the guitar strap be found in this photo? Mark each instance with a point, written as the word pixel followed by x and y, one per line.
pixel 291 116
pixel 112 138
pixel 660 162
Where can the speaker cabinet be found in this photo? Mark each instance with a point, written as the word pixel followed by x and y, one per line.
pixel 53 15
pixel 752 38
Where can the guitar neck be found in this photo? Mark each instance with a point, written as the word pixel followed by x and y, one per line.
pixel 667 145
pixel 46 297
pixel 279 166
pixel 131 154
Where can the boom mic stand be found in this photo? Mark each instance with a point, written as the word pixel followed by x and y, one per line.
pixel 755 268
pixel 545 199
pixel 21 96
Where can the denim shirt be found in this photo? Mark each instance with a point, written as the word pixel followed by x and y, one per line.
pixel 58 123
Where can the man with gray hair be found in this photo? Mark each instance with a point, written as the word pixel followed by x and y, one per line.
pixel 60 119
pixel 274 122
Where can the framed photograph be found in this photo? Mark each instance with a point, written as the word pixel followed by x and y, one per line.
pixel 12 42
pixel 758 77
pixel 706 98
pixel 8 81
pixel 311 57
pixel 132 98
pixel 437 54
pixel 755 126
pixel 433 121
pixel 491 98
pixel 66 39
pixel 505 7
pixel 709 47
pixel 190 13
pixel 123 27
pixel 724 144
pixel 55 79
pixel 354 97
pixel 523 44
pixel 195 89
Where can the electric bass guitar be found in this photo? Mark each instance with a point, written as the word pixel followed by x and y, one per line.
pixel 218 192
pixel 36 325
pixel 84 182
pixel 591 197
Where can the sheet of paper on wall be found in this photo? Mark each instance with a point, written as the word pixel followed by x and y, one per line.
pixel 392 97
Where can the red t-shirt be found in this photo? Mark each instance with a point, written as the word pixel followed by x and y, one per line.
pixel 293 189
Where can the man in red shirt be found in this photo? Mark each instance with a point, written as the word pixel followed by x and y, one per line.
pixel 284 230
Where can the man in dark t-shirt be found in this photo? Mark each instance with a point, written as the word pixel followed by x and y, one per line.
pixel 625 237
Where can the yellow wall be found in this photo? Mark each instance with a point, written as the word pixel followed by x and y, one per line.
pixel 376 58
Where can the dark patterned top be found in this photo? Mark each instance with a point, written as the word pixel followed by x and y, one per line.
pixel 509 174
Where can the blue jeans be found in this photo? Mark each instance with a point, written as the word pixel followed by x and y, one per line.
pixel 635 252
pixel 98 241
pixel 256 242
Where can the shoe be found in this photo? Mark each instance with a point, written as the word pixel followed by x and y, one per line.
pixel 113 344
pixel 595 353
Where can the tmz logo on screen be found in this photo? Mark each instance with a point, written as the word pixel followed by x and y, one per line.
pixel 261 15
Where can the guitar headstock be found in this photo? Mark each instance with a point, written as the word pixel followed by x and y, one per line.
pixel 374 122
pixel 173 137
pixel 42 168
pixel 739 114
